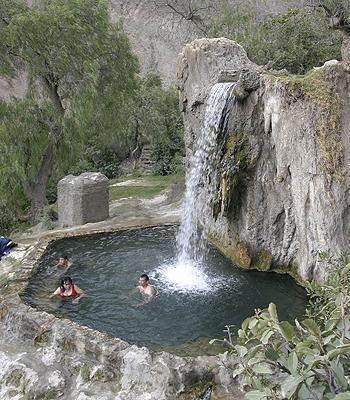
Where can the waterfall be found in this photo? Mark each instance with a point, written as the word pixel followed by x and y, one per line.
pixel 201 177
pixel 187 274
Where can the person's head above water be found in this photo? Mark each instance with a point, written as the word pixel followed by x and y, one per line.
pixel 62 259
pixel 143 280
pixel 66 283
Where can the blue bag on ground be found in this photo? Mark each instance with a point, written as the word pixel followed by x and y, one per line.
pixel 6 244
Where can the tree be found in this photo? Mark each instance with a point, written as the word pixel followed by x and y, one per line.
pixel 81 80
pixel 296 40
pixel 155 119
pixel 338 12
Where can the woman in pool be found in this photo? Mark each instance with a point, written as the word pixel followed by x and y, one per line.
pixel 68 289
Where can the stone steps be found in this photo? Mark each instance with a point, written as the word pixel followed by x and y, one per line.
pixel 146 163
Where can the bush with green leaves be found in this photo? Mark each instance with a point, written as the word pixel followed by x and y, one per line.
pixel 306 360
pixel 297 40
pixel 155 120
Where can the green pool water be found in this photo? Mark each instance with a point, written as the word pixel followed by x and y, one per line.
pixel 189 307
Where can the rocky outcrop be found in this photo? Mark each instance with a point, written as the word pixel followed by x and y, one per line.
pixel 158 33
pixel 82 199
pixel 282 197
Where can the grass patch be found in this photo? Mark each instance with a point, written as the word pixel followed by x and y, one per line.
pixel 144 187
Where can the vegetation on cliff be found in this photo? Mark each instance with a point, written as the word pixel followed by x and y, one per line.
pixel 296 40
pixel 320 90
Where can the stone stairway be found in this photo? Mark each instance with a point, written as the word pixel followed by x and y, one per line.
pixel 146 163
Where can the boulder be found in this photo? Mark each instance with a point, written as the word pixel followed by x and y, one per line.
pixel 82 199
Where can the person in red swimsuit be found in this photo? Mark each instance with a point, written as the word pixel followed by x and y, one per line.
pixel 68 289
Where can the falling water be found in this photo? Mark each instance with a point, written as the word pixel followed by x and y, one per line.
pixel 201 175
pixel 188 273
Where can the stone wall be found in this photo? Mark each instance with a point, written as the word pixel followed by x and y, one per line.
pixel 288 199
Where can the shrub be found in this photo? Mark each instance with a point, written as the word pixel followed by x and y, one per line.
pixel 307 360
pixel 297 40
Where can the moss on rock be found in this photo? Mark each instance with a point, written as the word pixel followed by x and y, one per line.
pixel 290 269
pixel 235 158
pixel 319 89
pixel 15 378
pixel 197 390
pixel 237 253
pixel 264 261
pixel 85 372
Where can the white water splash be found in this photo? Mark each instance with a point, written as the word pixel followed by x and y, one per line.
pixel 188 273
pixel 183 278
pixel 191 277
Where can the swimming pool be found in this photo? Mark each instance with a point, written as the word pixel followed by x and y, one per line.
pixel 186 309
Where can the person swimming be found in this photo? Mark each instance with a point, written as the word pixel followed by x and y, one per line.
pixel 145 289
pixel 144 286
pixel 68 289
pixel 64 262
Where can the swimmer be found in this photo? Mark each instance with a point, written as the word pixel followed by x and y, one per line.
pixel 68 289
pixel 63 262
pixel 145 289
pixel 144 286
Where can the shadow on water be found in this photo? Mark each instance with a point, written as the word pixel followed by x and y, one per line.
pixel 107 267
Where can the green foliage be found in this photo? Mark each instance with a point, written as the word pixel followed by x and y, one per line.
pixel 155 119
pixel 337 10
pixel 308 360
pixel 81 82
pixel 297 40
pixel 97 158
pixel 8 217
pixel 321 90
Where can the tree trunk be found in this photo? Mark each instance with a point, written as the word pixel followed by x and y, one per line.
pixel 36 191
pixel 345 47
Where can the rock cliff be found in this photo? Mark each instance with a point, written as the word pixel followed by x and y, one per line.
pixel 283 203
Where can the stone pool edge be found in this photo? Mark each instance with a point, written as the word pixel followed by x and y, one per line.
pixel 134 370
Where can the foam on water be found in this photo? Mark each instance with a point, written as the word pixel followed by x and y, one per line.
pixel 184 277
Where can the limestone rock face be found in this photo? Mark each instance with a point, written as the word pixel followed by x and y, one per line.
pixel 288 197
pixel 42 354
pixel 198 68
pixel 82 199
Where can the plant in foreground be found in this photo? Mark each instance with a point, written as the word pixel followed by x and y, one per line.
pixel 307 360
